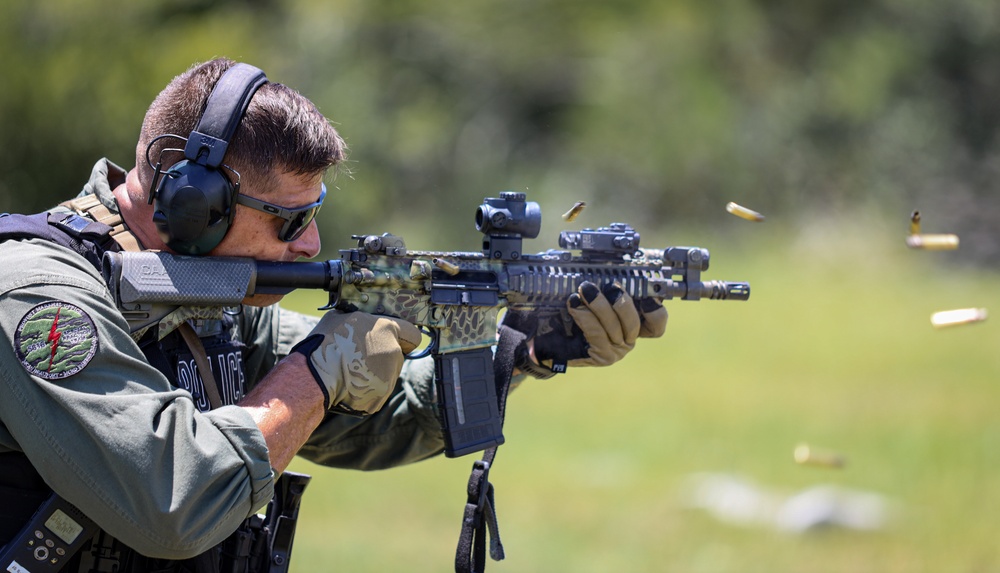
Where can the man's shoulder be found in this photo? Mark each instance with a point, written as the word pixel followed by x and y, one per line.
pixel 38 261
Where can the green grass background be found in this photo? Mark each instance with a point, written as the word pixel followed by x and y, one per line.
pixel 835 348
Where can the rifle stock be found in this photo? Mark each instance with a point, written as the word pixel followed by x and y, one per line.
pixel 455 297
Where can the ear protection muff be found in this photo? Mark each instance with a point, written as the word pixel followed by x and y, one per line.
pixel 194 200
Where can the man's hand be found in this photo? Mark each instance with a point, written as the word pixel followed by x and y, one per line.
pixel 356 358
pixel 598 329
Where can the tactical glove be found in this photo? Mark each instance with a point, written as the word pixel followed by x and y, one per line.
pixel 356 358
pixel 597 328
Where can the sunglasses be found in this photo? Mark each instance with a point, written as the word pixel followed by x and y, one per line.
pixel 296 220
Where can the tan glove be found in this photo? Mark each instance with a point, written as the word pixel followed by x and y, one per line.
pixel 611 323
pixel 356 358
pixel 653 318
pixel 596 329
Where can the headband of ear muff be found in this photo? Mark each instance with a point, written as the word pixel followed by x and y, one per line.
pixel 194 200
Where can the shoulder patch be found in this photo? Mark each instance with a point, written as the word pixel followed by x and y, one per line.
pixel 55 340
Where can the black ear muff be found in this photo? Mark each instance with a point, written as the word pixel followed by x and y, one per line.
pixel 194 200
pixel 193 208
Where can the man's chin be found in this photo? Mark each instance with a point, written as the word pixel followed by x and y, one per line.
pixel 262 299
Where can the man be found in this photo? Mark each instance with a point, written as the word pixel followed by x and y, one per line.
pixel 125 426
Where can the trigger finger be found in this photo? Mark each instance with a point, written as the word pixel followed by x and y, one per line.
pixel 409 335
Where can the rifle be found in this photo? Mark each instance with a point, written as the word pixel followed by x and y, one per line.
pixel 454 297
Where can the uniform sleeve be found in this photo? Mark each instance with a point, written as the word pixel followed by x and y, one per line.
pixel 106 430
pixel 405 430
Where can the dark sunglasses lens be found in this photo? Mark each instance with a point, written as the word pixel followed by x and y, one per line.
pixel 294 227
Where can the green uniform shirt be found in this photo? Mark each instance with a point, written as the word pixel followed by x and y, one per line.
pixel 108 432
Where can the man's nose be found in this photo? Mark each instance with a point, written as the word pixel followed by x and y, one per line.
pixel 308 244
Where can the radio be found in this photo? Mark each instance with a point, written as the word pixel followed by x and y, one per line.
pixel 55 533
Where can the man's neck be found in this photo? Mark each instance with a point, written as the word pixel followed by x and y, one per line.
pixel 137 212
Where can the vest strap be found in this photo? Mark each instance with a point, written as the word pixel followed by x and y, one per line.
pixel 201 359
pixel 91 206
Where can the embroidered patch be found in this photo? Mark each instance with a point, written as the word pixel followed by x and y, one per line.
pixel 55 340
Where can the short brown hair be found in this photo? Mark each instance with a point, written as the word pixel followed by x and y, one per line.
pixel 282 131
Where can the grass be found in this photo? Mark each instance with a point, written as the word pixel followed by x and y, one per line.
pixel 835 348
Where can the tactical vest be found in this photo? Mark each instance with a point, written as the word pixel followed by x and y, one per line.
pixel 262 542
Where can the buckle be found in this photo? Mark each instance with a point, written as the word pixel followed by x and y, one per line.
pixel 479 485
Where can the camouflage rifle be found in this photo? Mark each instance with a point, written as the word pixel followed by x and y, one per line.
pixel 454 297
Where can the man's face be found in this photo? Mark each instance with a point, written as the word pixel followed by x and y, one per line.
pixel 254 233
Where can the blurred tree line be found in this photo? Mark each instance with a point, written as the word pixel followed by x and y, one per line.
pixel 652 111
